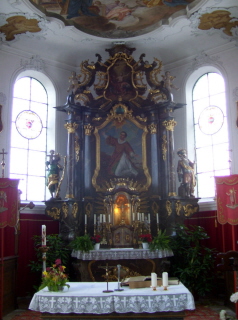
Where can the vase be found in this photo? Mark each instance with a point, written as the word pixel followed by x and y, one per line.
pixel 56 289
pixel 145 245
pixel 97 246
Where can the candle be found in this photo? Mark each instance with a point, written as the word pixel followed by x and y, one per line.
pixel 138 216
pixel 133 216
pixel 153 279
pixel 157 217
pixel 142 217
pixel 100 217
pixel 165 280
pixel 95 218
pixel 109 218
pixel 85 219
pixel 43 235
pixel 148 217
pixel 104 218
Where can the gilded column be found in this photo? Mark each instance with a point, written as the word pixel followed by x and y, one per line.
pixel 168 155
pixel 71 128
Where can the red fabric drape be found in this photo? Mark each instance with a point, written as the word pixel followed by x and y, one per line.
pixel 227 206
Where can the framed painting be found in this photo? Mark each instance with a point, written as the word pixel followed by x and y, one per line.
pixel 121 153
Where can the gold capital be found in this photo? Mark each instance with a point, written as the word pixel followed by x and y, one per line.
pixel 153 128
pixel 169 124
pixel 71 127
pixel 88 129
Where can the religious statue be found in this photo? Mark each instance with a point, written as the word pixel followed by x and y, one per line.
pixel 186 175
pixel 53 177
pixel 168 81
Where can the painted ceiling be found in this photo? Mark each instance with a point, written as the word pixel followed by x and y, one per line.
pixel 68 31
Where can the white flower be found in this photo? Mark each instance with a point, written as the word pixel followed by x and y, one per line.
pixel 234 297
pixel 222 315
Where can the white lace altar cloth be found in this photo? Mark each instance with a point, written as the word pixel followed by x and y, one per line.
pixel 115 254
pixel 88 297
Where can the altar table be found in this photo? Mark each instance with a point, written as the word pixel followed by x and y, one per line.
pixel 86 300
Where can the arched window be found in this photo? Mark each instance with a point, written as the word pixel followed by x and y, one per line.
pixel 211 132
pixel 29 136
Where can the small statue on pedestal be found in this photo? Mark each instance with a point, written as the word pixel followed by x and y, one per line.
pixel 186 175
pixel 53 177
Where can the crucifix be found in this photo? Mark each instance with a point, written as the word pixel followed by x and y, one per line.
pixel 3 162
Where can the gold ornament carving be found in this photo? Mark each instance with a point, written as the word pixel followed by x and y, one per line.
pixel 71 127
pixel 168 206
pixel 169 124
pixel 178 207
pixel 172 194
pixel 189 209
pixel 155 207
pixel 219 19
pixel 153 128
pixel 88 209
pixel 88 129
pixel 54 213
pixel 65 209
pixel 141 119
pixel 97 119
pixel 77 149
pixel 75 209
pixel 120 117
pixel 164 147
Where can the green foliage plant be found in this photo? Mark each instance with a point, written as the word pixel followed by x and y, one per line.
pixel 193 262
pixel 161 241
pixel 82 243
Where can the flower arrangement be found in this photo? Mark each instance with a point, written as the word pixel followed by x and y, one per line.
pixel 54 277
pixel 146 237
pixel 234 297
pixel 96 239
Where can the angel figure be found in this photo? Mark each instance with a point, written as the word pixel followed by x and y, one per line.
pixel 168 81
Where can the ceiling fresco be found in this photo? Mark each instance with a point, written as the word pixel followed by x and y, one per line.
pixel 114 19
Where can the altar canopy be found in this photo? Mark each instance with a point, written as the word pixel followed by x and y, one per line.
pixel 227 204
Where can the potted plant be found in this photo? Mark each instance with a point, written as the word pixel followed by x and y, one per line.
pixel 54 277
pixel 146 239
pixel 192 262
pixel 82 243
pixel 161 241
pixel 96 241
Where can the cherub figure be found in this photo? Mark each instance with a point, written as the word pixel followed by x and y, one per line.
pixel 73 80
pixel 168 81
pixel 53 167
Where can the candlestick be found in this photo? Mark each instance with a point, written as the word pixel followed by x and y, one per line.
pixel 43 235
pixel 153 280
pixel 165 280
pixel 118 278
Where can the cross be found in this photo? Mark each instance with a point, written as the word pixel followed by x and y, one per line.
pixel 3 162
pixel 149 301
pixel 174 300
pixel 76 303
pixel 52 300
pixel 101 302
pixel 124 301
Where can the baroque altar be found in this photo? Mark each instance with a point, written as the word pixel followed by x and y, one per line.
pixel 120 167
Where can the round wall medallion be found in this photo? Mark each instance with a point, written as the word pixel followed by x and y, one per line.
pixel 29 124
pixel 211 120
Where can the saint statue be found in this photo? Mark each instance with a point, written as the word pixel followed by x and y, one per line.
pixel 186 175
pixel 53 167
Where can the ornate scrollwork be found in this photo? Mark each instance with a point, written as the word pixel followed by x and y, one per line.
pixel 189 209
pixel 153 128
pixel 155 207
pixel 88 209
pixel 75 209
pixel 77 149
pixel 65 209
pixel 169 124
pixel 88 129
pixel 71 127
pixel 54 212
pixel 164 147
pixel 178 207
pixel 141 119
pixel 119 116
pixel 168 206
pixel 154 73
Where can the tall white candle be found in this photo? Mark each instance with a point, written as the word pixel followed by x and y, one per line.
pixel 153 279
pixel 138 216
pixel 95 218
pixel 85 219
pixel 165 279
pixel 104 218
pixel 133 216
pixel 157 217
pixel 100 217
pixel 142 217
pixel 109 218
pixel 148 217
pixel 43 235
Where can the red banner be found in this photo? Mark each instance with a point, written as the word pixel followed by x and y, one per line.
pixel 227 202
pixel 9 202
